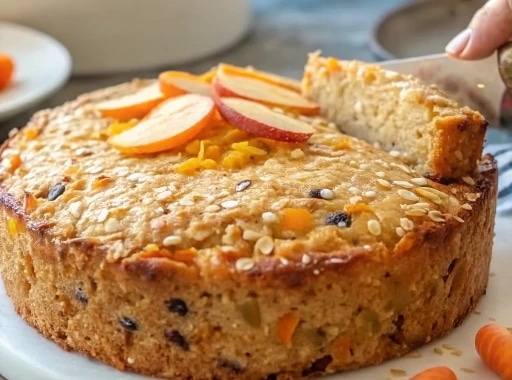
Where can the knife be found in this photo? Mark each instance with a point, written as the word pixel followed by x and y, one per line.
pixel 477 84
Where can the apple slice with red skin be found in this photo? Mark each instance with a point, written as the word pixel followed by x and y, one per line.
pixel 260 120
pixel 244 87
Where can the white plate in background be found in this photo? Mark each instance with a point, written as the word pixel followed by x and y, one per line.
pixel 24 354
pixel 43 65
pixel 119 36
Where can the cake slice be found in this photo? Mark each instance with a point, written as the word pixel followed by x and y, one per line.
pixel 400 113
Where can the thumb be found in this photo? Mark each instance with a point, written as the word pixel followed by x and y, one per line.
pixel 490 27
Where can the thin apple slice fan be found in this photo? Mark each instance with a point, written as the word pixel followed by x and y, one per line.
pixel 174 122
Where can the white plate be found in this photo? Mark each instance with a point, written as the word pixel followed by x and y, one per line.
pixel 43 65
pixel 24 354
pixel 421 27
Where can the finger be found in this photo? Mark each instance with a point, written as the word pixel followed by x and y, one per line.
pixel 490 27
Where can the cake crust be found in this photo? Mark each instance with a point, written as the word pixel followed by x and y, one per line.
pixel 209 313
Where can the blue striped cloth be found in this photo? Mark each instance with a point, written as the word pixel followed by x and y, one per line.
pixel 503 154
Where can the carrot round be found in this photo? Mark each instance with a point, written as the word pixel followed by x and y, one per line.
pixel 435 373
pixel 494 345
pixel 6 70
pixel 173 122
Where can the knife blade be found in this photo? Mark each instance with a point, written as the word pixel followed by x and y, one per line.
pixel 476 84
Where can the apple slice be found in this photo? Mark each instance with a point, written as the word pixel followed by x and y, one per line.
pixel 174 122
pixel 174 83
pixel 262 121
pixel 290 84
pixel 270 94
pixel 132 106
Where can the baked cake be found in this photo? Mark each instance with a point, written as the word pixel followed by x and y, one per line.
pixel 218 227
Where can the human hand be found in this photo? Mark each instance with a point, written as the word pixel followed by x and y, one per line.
pixel 490 27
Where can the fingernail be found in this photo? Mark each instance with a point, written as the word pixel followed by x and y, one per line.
pixel 459 42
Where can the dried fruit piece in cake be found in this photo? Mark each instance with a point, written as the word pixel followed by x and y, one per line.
pixel 400 113
pixel 172 123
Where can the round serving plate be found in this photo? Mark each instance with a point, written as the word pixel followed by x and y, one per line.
pixel 42 66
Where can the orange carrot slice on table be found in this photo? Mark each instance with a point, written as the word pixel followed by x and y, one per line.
pixel 435 373
pixel 494 345
pixel 174 83
pixel 174 122
pixel 287 83
pixel 132 106
pixel 6 70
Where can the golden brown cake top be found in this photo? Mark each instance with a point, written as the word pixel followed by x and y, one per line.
pixel 225 196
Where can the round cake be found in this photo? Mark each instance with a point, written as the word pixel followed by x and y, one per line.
pixel 222 227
